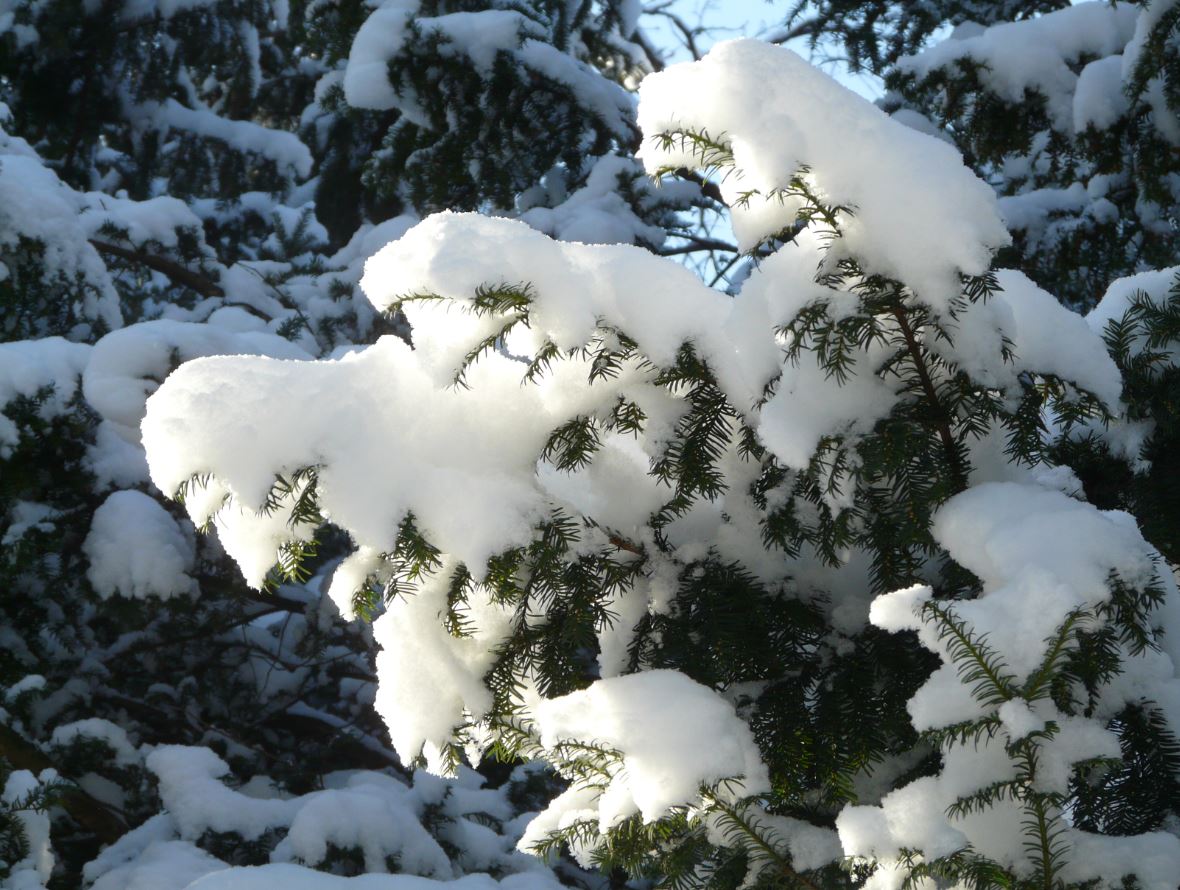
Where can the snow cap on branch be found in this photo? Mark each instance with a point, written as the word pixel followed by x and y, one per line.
pixel 918 214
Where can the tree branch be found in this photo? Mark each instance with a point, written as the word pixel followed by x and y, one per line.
pixel 708 189
pixel 624 544
pixel 174 270
pixel 695 244
pixel 942 420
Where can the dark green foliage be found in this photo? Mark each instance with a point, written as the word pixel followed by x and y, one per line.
pixel 1143 342
pixel 1140 793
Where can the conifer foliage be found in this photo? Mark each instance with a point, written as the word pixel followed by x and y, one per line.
pixel 791 588
pixel 186 179
pixel 378 507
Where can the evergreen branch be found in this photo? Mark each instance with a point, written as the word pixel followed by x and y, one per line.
pixel 942 419
pixel 540 363
pixel 572 445
pixel 978 801
pixel 1046 848
pixel 977 664
pixel 1038 685
pixel 485 345
pixel 960 733
pixel 750 830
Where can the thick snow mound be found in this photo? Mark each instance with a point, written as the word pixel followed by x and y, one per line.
pixel 919 214
pixel 137 550
pixel 673 734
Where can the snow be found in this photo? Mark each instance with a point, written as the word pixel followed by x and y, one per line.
pixel 1018 719
pixel 166 9
pixel 1045 336
pixel 1019 539
pixel 1153 857
pixel 1099 100
pixel 113 735
pixel 374 814
pixel 919 215
pixel 480 36
pixel 808 403
pixel 381 819
pixel 29 366
pixel 156 219
pixel 431 681
pixel 810 846
pixel 1156 285
pixel 127 365
pixel 267 877
pixel 1041 556
pixel 198 802
pixel 393 431
pixel 137 550
pixel 30 683
pixel 159 828
pixel 937 231
pixel 34 870
pixel 1031 211
pixel 1147 22
pixel 1036 53
pixel 450 255
pixel 597 213
pixel 366 79
pixel 601 96
pixel 36 205
pixel 285 149
pixel 113 460
pixel 427 472
pixel 673 736
pixel 163 865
